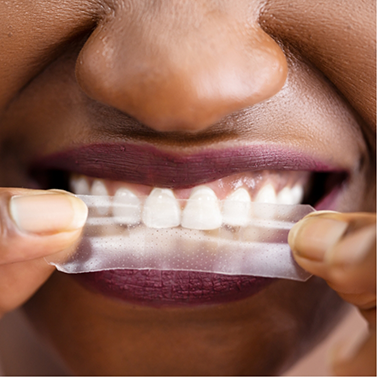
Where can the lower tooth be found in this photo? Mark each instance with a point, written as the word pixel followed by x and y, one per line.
pixel 236 208
pixel 126 207
pixel 202 210
pixel 161 209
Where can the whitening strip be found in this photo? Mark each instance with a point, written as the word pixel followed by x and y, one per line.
pixel 249 239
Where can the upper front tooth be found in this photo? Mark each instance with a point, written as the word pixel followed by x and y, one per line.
pixel 297 194
pixel 79 185
pixel 98 188
pixel 161 209
pixel 202 210
pixel 290 195
pixel 236 208
pixel 285 196
pixel 126 207
pixel 266 194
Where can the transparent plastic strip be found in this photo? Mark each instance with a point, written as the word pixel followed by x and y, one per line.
pixel 118 235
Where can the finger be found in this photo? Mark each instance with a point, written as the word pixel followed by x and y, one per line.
pixel 34 224
pixel 340 248
pixel 364 300
pixel 370 316
pixel 19 281
pixel 346 261
pixel 356 358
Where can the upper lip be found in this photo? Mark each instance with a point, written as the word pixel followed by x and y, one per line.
pixel 148 165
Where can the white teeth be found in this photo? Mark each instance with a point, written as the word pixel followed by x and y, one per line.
pixel 79 185
pixel 297 194
pixel 161 209
pixel 202 210
pixel 266 194
pixel 290 195
pixel 285 196
pixel 99 189
pixel 126 207
pixel 236 208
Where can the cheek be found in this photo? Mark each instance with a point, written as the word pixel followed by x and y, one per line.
pixel 343 49
pixel 308 113
pixel 34 34
pixel 50 111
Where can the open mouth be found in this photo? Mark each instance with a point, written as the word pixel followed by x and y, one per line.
pixel 260 174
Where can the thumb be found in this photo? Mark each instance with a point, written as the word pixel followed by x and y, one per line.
pixel 33 225
pixel 36 223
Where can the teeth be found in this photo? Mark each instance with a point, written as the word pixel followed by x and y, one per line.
pixel 126 207
pixel 236 208
pixel 202 210
pixel 99 189
pixel 290 195
pixel 80 186
pixel 161 209
pixel 285 196
pixel 297 194
pixel 266 194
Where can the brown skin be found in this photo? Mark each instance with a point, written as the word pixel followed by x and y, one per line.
pixel 62 85
pixel 260 335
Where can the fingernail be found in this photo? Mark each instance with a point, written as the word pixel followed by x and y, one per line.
pixel 313 236
pixel 48 213
pixel 355 249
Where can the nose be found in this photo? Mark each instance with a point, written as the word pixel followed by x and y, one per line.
pixel 181 65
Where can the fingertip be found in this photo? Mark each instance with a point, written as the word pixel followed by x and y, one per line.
pixel 313 236
pixel 80 210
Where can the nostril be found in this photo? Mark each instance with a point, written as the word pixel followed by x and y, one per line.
pixel 180 84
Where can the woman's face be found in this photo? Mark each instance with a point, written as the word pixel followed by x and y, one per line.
pixel 143 94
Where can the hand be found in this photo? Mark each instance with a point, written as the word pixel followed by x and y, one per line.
pixel 33 225
pixel 341 248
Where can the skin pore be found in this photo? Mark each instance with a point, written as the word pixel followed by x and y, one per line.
pixel 199 75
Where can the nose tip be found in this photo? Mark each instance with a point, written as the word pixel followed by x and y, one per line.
pixel 174 81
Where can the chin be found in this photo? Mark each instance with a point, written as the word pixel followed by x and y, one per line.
pixel 262 333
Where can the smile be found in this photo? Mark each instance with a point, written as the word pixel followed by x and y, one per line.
pixel 200 180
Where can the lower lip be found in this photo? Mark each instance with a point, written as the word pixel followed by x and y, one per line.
pixel 172 288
